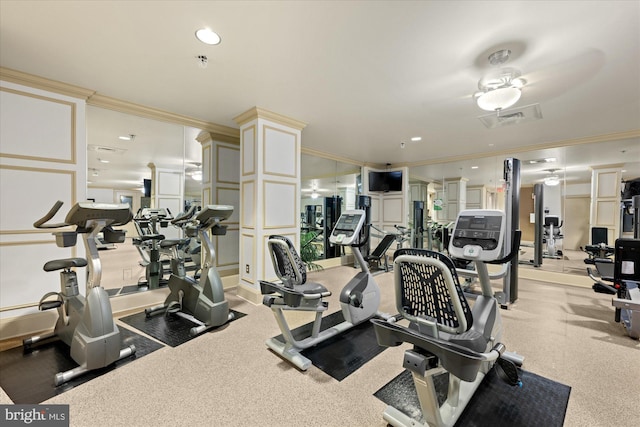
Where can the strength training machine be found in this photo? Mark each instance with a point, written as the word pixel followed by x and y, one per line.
pixel 449 336
pixel 202 302
pixel 359 299
pixel 85 323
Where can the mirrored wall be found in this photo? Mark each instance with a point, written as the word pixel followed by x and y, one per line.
pixel 122 152
pixel 564 175
pixel 328 187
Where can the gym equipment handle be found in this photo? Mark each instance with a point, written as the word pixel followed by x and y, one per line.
pixel 41 223
pixel 515 247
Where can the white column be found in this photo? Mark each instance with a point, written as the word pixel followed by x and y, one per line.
pixel 221 186
pixel 269 192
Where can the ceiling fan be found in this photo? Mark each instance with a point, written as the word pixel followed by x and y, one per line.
pixel 501 87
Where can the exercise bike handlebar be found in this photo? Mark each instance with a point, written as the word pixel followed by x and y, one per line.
pixel 185 217
pixel 515 247
pixel 42 222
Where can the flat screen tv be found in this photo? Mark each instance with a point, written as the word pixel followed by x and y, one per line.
pixel 385 181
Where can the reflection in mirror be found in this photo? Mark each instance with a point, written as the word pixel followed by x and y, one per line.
pixel 564 177
pixel 121 150
pixel 328 187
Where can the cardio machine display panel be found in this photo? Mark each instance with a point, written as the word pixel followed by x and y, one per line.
pixel 348 227
pixel 479 228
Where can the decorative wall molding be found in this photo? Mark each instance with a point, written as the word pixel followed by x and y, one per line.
pixel 257 112
pixel 37 82
pixel 28 148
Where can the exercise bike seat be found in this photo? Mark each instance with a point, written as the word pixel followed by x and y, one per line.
pixel 292 272
pixel 146 237
pixel 66 263
pixel 169 243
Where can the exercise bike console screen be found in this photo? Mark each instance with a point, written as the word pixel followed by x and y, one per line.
pixel 478 235
pixel 348 227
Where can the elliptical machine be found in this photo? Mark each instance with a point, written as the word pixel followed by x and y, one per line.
pixel 202 302
pixel 85 323
pixel 448 335
pixel 359 299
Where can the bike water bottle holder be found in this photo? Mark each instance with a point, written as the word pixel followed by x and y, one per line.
pixel 66 239
pixel 219 230
pixel 113 236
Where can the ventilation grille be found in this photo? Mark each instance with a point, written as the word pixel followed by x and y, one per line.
pixel 512 116
pixel 104 149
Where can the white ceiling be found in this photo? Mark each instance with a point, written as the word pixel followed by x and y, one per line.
pixel 364 75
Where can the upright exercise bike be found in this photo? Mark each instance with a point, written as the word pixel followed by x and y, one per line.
pixel 359 299
pixel 203 301
pixel 449 336
pixel 85 323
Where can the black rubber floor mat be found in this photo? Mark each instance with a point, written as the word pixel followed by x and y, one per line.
pixel 130 289
pixel 112 292
pixel 171 330
pixel 28 377
pixel 539 402
pixel 343 354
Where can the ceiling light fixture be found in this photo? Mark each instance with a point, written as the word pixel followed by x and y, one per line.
pixel 196 176
pixel 553 179
pixel 129 137
pixel 500 88
pixel 208 36
pixel 416 138
pixel 103 160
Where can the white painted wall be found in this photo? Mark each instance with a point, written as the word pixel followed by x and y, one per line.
pixel 42 160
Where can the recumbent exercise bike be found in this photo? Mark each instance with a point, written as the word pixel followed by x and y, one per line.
pixel 449 336
pixel 359 299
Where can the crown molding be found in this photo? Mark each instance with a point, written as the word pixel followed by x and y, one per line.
pixel 102 101
pixel 36 82
pixel 328 156
pixel 635 133
pixel 261 113
pixel 219 132
pixel 209 136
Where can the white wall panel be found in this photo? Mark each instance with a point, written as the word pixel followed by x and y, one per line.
pixel 392 210
pixel 30 282
pixel 280 152
pixel 227 247
pixel 249 150
pixel 29 193
pixel 607 184
pixel 48 135
pixel 206 164
pixel 607 213
pixel 230 196
pixel 277 195
pixel 228 160
pixel 169 184
pixel 248 204
pixel 248 243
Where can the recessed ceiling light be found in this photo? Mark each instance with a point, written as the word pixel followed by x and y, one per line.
pixel 129 137
pixel 474 167
pixel 416 138
pixel 103 160
pixel 207 36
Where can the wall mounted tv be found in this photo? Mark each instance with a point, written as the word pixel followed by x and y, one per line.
pixel 385 181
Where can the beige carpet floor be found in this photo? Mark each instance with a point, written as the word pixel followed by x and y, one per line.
pixel 228 377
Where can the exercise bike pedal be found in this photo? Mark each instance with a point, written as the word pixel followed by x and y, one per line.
pixel 48 304
pixel 173 308
pixel 508 372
